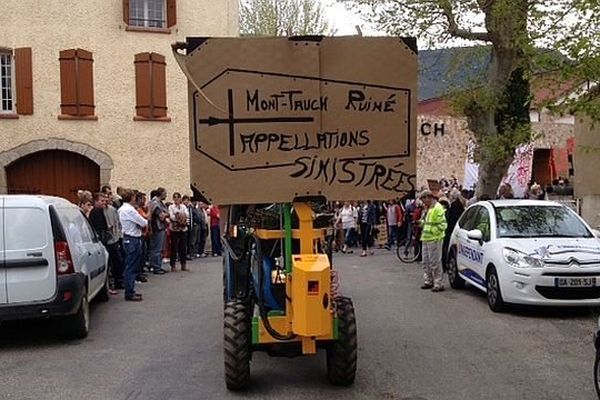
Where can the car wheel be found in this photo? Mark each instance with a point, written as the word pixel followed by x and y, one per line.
pixel 456 282
pixel 77 326
pixel 494 293
pixel 104 293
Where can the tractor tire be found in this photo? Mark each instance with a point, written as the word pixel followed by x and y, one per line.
pixel 342 354
pixel 237 345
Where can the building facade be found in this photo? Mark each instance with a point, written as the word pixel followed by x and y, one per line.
pixel 443 140
pixel 91 94
pixel 587 162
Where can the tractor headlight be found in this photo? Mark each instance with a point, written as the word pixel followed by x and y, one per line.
pixel 518 259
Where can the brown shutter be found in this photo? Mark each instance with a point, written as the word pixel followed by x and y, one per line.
pixel 171 13
pixel 159 85
pixel 68 82
pixel 126 12
pixel 85 82
pixel 24 80
pixel 143 100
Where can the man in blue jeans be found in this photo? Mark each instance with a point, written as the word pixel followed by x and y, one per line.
pixel 132 223
pixel 158 225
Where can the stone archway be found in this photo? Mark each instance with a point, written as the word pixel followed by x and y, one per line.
pixel 99 157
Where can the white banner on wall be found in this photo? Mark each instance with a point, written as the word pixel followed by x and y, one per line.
pixel 518 175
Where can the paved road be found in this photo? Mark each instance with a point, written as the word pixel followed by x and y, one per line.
pixel 412 345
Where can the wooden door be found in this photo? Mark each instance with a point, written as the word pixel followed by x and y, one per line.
pixel 542 173
pixel 53 172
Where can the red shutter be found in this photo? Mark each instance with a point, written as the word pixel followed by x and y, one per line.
pixel 24 80
pixel 143 99
pixel 68 82
pixel 159 85
pixel 171 13
pixel 85 82
pixel 126 12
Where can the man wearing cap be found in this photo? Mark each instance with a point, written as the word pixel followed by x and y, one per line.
pixel 434 227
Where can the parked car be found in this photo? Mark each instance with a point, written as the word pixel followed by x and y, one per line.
pixel 526 252
pixel 51 262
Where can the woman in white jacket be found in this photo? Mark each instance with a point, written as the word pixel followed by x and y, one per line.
pixel 348 217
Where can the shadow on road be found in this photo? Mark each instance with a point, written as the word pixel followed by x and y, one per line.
pixel 542 312
pixel 35 333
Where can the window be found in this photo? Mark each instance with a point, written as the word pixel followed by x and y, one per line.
pixel 16 88
pixel 156 15
pixel 6 82
pixel 539 221
pixel 25 229
pixel 148 13
pixel 467 221
pixel 483 223
pixel 76 84
pixel 150 87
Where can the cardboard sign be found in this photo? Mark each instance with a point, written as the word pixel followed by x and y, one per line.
pixel 272 119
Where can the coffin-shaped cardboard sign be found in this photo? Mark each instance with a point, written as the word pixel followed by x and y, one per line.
pixel 273 119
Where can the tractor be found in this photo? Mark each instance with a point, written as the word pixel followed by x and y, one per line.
pixel 278 127
pixel 281 292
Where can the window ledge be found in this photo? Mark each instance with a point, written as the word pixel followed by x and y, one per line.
pixel 64 117
pixel 9 116
pixel 131 28
pixel 157 119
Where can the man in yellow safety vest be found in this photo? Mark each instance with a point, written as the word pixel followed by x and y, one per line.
pixel 434 227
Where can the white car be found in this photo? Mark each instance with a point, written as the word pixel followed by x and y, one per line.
pixel 51 262
pixel 526 252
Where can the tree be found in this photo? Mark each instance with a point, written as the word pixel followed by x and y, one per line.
pixel 497 108
pixel 282 17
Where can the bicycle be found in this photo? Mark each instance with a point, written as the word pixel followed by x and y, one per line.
pixel 409 249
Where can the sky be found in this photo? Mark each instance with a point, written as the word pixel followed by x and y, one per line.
pixel 345 21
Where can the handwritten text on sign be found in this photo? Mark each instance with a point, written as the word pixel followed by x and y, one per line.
pixel 329 116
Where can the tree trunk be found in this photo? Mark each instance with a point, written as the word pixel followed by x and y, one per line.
pixel 499 115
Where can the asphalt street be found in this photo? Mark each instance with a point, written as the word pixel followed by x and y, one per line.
pixel 413 344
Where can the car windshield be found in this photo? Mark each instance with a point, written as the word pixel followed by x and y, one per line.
pixel 539 221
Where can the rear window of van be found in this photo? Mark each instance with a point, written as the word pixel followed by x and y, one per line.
pixel 25 228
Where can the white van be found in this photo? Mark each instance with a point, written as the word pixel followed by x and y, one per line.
pixel 51 262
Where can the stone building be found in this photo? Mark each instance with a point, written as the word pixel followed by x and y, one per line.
pixel 587 163
pixel 443 139
pixel 91 95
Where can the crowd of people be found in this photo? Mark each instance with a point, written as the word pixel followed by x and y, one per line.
pixel 427 217
pixel 142 232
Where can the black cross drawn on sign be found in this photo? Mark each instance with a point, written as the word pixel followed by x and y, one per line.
pixel 232 121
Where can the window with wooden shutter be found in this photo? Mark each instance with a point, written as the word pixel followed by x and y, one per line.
pixel 150 87
pixel 24 80
pixel 76 84
pixel 150 15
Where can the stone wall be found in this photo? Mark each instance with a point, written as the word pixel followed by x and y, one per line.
pixel 442 142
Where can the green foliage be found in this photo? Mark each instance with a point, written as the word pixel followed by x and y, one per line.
pixel 280 17
pixel 513 31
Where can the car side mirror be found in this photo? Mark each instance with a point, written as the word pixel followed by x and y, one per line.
pixel 475 234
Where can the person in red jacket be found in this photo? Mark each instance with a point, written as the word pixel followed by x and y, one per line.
pixel 395 220
pixel 215 230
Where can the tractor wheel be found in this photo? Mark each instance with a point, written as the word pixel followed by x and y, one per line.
pixel 237 345
pixel 342 354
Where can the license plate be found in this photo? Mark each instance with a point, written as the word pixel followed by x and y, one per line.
pixel 575 282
